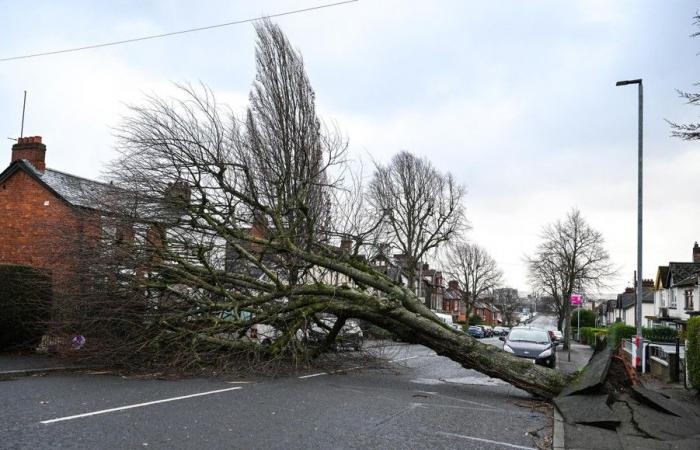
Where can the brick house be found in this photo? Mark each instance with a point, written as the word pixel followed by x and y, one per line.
pixel 45 215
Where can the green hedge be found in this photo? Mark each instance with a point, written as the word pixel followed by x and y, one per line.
pixel 587 318
pixel 692 352
pixel 660 334
pixel 475 320
pixel 25 302
pixel 618 331
pixel 588 335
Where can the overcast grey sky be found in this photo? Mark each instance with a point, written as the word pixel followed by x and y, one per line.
pixel 516 98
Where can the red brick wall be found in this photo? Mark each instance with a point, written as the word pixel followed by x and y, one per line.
pixel 36 233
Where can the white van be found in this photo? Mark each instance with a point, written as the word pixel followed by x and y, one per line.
pixel 445 318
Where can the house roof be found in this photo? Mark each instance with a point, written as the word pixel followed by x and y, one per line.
pixel 629 299
pixel 688 281
pixel 678 271
pixel 74 190
pixel 661 277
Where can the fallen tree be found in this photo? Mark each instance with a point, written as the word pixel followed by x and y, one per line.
pixel 230 226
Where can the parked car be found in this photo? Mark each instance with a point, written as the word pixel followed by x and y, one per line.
pixel 531 343
pixel 457 327
pixel 556 335
pixel 475 331
pixel 350 335
pixel 488 330
pixel 499 331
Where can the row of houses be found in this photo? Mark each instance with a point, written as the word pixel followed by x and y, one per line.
pixel 670 299
pixel 41 207
pixel 447 299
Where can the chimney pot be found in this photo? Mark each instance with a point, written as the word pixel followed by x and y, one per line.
pixel 32 149
pixel 696 253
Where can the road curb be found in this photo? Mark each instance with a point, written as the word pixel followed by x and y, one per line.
pixel 558 442
pixel 8 374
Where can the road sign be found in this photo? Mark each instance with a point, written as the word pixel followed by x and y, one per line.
pixel 575 299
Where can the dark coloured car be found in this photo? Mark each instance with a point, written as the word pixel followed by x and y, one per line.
pixel 532 343
pixel 475 331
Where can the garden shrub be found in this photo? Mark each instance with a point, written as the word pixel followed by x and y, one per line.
pixel 475 320
pixel 618 331
pixel 587 318
pixel 692 352
pixel 588 335
pixel 25 302
pixel 660 334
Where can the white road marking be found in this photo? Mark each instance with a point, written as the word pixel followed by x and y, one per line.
pixel 472 438
pixel 313 375
pixel 138 405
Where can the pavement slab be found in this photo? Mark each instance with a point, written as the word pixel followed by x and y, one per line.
pixel 587 409
pixel 591 438
pixel 593 375
pixel 659 401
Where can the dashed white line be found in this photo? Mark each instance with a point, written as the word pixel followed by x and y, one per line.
pixel 137 405
pixel 473 438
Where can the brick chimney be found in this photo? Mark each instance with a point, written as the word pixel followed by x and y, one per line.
pixel 453 284
pixel 31 149
pixel 696 253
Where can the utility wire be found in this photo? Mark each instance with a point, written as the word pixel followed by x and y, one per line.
pixel 173 33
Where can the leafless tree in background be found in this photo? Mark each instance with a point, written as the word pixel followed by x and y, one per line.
pixel 423 207
pixel 474 269
pixel 235 229
pixel 688 131
pixel 508 302
pixel 570 258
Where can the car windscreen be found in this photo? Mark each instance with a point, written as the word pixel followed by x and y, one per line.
pixel 525 335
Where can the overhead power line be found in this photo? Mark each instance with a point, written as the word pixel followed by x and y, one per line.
pixel 173 33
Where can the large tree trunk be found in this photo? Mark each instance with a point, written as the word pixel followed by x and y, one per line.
pixel 467 351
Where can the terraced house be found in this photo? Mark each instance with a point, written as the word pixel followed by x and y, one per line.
pixel 676 291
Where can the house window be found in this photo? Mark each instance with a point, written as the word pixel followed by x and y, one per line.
pixel 673 299
pixel 689 299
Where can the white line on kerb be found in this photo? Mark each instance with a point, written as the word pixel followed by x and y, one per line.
pixel 138 405
pixel 314 375
pixel 472 438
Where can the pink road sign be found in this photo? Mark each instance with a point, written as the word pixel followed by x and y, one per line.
pixel 575 299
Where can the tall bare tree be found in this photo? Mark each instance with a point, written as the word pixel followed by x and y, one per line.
pixel 571 257
pixel 688 131
pixel 422 206
pixel 508 301
pixel 238 234
pixel 474 269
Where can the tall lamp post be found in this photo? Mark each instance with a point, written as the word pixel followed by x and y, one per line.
pixel 638 312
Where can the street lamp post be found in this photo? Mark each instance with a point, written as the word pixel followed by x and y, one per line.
pixel 638 315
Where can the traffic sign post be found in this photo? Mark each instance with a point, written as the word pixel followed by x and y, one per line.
pixel 576 299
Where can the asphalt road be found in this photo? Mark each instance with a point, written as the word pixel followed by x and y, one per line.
pixel 414 400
